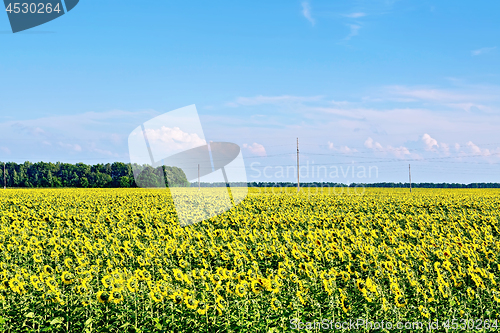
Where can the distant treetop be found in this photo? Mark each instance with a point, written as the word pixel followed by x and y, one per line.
pixel 117 174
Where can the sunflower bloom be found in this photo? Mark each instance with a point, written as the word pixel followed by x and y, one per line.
pixel 202 308
pixel 241 290
pixel 191 302
pixel 275 304
pixel 400 301
pixel 156 296
pixel 117 296
pixel 103 297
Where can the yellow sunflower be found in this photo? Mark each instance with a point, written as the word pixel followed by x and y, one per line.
pixel 202 308
pixel 47 269
pixel 256 287
pixel 132 284
pixel 400 301
pixel 221 304
pixel 117 296
pixel 156 296
pixel 176 297
pixel 275 304
pixel 67 277
pixel 241 290
pixel 69 263
pixel 215 278
pixel 191 302
pixel 103 297
pixel 345 304
pixel 107 280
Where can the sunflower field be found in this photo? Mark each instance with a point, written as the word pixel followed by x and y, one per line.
pixel 116 260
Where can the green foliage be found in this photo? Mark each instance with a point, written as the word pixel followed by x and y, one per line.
pixel 113 175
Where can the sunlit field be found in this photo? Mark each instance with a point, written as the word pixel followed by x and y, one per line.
pixel 116 260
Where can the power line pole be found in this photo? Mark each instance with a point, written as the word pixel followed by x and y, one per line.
pixel 4 177
pixel 409 175
pixel 298 172
pixel 198 177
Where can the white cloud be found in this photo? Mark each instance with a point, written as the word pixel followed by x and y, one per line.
pixel 306 11
pixel 173 139
pixel 38 131
pixel 432 144
pixel 399 152
pixel 474 99
pixel 370 143
pixel 74 147
pixel 354 31
pixel 284 99
pixel 5 150
pixel 445 148
pixel 462 96
pixel 391 124
pixel 478 151
pixel 32 130
pixel 427 94
pixel 39 136
pixel 342 149
pixel 429 142
pixel 482 50
pixel 345 149
pixel 355 15
pixel 256 149
pixel 470 107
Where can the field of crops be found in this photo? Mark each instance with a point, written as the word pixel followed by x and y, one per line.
pixel 116 260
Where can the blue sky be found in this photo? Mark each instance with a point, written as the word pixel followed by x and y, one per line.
pixel 363 84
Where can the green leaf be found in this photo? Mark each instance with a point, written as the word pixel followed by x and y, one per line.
pixel 158 326
pixel 30 315
pixel 57 320
pixel 88 322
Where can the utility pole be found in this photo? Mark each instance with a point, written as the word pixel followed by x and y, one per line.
pixel 298 172
pixel 409 175
pixel 198 177
pixel 4 177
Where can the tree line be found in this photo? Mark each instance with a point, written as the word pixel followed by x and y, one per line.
pixel 117 174
pixel 319 185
